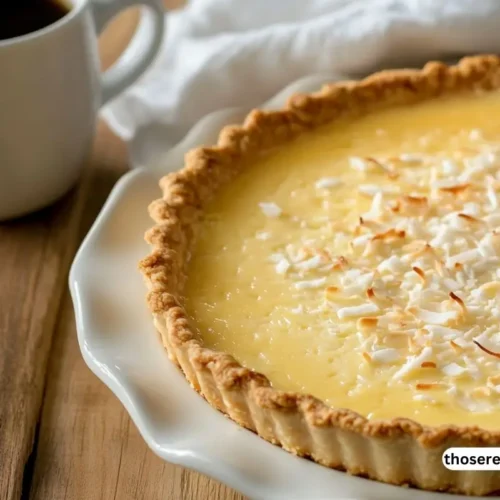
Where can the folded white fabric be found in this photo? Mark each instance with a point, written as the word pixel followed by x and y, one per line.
pixel 223 53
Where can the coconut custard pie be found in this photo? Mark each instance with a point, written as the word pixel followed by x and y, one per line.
pixel 328 275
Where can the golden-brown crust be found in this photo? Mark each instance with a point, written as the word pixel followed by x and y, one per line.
pixel 302 424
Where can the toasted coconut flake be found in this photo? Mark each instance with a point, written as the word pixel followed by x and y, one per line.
pixel 324 254
pixel 414 246
pixel 366 357
pixel 395 206
pixel 419 249
pixel 390 335
pixel 376 163
pixel 494 380
pixel 420 273
pixel 422 332
pixel 484 392
pixel 428 364
pixel 369 224
pixel 455 190
pixel 270 209
pixel 343 261
pixel 416 201
pixel 455 346
pixel 491 353
pixel 411 205
pixel 331 292
pixel 440 269
pixel 470 218
pixel 367 323
pixel 356 286
pixel 368 163
pixel 339 263
pixel 428 386
pixel 389 235
pixel 459 301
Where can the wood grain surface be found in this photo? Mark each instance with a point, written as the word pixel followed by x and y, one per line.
pixel 63 435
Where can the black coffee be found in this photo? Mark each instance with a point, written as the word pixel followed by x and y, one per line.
pixel 20 17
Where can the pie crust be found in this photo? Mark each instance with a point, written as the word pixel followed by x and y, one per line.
pixel 399 451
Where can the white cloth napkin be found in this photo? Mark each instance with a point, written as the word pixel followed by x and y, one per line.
pixel 224 53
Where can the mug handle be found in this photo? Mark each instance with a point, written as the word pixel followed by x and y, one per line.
pixel 128 69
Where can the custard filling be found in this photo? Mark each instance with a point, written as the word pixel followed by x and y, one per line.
pixel 360 264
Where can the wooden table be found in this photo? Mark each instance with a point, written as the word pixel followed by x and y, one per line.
pixel 63 434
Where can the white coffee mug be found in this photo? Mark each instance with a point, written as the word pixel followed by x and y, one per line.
pixel 51 90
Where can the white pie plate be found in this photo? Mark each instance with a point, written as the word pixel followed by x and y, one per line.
pixel 119 344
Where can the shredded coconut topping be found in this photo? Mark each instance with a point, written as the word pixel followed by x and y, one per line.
pixel 328 182
pixel 359 164
pixel 418 278
pixel 282 266
pixel 304 285
pixel 356 311
pixel 270 209
pixel 388 355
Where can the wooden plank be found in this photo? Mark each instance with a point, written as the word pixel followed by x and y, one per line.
pixel 35 253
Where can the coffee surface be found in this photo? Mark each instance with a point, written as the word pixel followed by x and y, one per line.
pixel 20 17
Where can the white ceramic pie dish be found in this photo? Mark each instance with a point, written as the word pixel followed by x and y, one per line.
pixel 119 343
